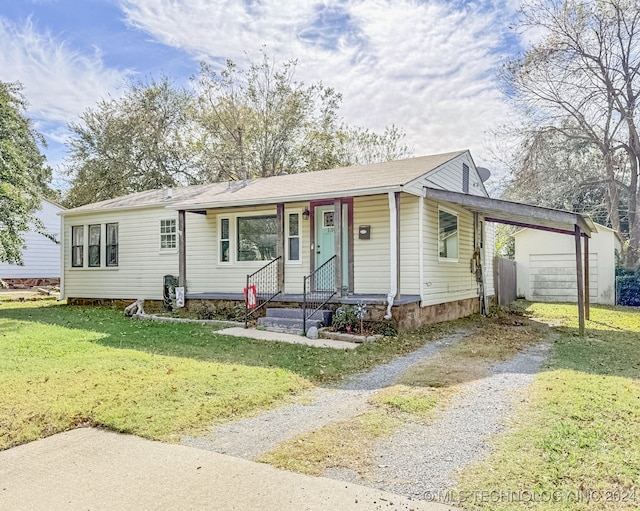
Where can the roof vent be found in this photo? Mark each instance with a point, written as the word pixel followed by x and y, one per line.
pixel 169 193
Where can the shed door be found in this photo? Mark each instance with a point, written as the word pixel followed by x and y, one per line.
pixel 552 277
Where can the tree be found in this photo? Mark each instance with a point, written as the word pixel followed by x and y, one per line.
pixel 557 171
pixel 581 80
pixel 253 122
pixel 258 120
pixel 146 139
pixel 23 174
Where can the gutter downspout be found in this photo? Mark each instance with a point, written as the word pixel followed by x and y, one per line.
pixel 393 253
pixel 421 249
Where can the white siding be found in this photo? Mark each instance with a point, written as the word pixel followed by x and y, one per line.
pixel 41 256
pixel 447 281
pixel 449 177
pixel 294 272
pixel 371 257
pixel 141 263
pixel 409 248
pixel 205 273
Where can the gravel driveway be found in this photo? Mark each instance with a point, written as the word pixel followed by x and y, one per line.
pixel 252 437
pixel 420 460
pixel 417 459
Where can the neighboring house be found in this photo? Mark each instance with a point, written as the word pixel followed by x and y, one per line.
pixel 382 233
pixel 546 266
pixel 41 255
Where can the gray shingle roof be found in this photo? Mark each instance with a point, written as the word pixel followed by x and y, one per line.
pixel 354 180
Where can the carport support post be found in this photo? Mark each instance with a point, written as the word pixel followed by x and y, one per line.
pixel 580 279
pixel 587 303
pixel 182 250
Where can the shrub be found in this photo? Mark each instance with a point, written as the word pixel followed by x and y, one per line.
pixel 345 320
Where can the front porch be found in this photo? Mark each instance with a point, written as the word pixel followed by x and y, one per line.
pixel 407 314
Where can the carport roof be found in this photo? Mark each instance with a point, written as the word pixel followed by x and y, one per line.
pixel 515 213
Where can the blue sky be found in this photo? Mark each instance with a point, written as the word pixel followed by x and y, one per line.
pixel 427 66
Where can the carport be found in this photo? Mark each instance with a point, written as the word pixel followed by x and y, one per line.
pixel 534 217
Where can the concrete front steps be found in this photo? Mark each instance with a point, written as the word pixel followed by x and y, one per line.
pixel 290 320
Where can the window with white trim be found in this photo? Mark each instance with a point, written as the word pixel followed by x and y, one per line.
pixel 95 232
pixel 112 245
pixel 77 246
pixel 293 237
pixel 447 235
pixel 224 241
pixel 168 234
pixel 257 237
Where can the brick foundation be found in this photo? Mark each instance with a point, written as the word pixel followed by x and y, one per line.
pixel 411 316
pixel 28 283
pixel 150 306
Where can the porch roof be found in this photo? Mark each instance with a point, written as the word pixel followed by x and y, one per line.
pixel 339 182
pixel 518 214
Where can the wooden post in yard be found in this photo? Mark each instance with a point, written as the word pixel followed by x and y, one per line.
pixel 580 279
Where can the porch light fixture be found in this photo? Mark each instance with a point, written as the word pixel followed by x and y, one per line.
pixel 305 214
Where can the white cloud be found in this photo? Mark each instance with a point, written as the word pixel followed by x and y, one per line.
pixel 59 83
pixel 428 67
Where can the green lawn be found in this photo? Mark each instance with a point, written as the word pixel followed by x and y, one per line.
pixel 63 366
pixel 576 439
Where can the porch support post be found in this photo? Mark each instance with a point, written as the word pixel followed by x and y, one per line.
pixel 397 243
pixel 337 233
pixel 587 305
pixel 280 244
pixel 182 250
pixel 580 279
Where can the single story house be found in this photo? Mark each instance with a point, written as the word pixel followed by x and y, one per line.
pixel 402 236
pixel 41 255
pixel 546 270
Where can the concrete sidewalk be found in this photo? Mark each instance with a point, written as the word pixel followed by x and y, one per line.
pixel 91 469
pixel 266 335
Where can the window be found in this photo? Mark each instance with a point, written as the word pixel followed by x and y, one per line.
pixel 327 219
pixel 77 246
pixel 293 237
pixel 112 245
pixel 224 240
pixel 447 235
pixel 94 245
pixel 168 234
pixel 257 238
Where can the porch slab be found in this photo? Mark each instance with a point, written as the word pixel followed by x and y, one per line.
pixel 264 335
pixel 299 298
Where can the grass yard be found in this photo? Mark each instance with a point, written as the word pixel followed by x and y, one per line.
pixel 64 366
pixel 575 443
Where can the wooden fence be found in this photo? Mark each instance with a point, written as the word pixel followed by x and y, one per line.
pixel 504 277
